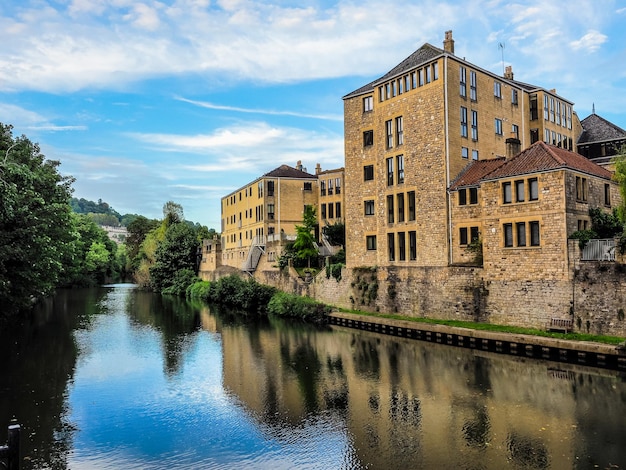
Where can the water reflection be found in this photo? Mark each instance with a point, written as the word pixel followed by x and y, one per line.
pixel 117 378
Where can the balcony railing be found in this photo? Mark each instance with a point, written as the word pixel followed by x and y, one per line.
pixel 599 250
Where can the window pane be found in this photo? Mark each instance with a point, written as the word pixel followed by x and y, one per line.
pixel 534 234
pixel 506 193
pixel 521 233
pixel 463 236
pixel 519 191
pixel 534 189
pixel 391 246
pixel 508 234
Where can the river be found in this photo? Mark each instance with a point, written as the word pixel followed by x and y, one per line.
pixel 116 378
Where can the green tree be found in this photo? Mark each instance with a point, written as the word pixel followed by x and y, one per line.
pixel 304 245
pixel 177 252
pixel 173 213
pixel 35 222
pixel 620 177
pixel 138 230
pixel 336 234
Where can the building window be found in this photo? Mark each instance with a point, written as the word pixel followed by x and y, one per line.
pixel 400 198
pixel 462 81
pixel 368 104
pixel 308 186
pixel 462 197
pixel 330 211
pixel 581 189
pixel 412 246
pixel 429 75
pixel 411 197
pixel 533 189
pixel 368 138
pixel 607 194
pixel 259 189
pixel 474 154
pixel 519 191
pixel 546 108
pixel 473 93
pixel 322 188
pixel 463 236
pixel 370 242
pixel 535 239
pixel 369 207
pixel 534 135
pixel 394 87
pixel 401 246
pixel 498 126
pixel 558 113
pixel 389 133
pixel 534 107
pixel 508 235
pixel 551 109
pixel 387 91
pixel 391 246
pixel 323 211
pixel 368 172
pixel 390 209
pixel 270 211
pixel 473 195
pixel 497 89
pixel 474 234
pixel 474 125
pixel 270 189
pixel 330 187
pixel 514 98
pixel 436 71
pixel 399 131
pixel 338 210
pixel 515 130
pixel 506 193
pixel 337 185
pixel 464 152
pixel 389 171
pixel 420 74
pixel 400 165
pixel 400 86
pixel 463 121
pixel 521 233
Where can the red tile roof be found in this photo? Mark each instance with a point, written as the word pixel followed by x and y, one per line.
pixel 473 173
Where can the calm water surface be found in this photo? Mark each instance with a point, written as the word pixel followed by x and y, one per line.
pixel 115 378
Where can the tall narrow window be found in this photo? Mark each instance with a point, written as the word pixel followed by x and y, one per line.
pixel 389 171
pixel 391 247
pixel 535 239
pixel 429 74
pixel 389 133
pixel 463 236
pixel 400 198
pixel 331 211
pixel 473 93
pixel 515 130
pixel 546 108
pixel 533 189
pixel 420 73
pixel 463 121
pixel 412 246
pixel 581 188
pixel 390 209
pixel 474 125
pixel 337 185
pixel 368 138
pixel 474 234
pixel 514 97
pixel 411 204
pixel 521 233
pixel 399 131
pixel 462 197
pixel 436 71
pixel 330 187
pixel 270 211
pixel 474 154
pixel 338 210
pixel 368 172
pixel 368 104
pixel 462 81
pixel 519 191
pixel 464 152
pixel 270 189
pixel 506 193
pixel 534 108
pixel 323 211
pixel 607 194
pixel 508 234
pixel 498 126
pixel 497 89
pixel 322 188
pixel 401 246
pixel 400 166
pixel 473 195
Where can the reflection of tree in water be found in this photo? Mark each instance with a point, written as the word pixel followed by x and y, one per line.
pixel 38 358
pixel 366 358
pixel 527 452
pixel 476 431
pixel 174 317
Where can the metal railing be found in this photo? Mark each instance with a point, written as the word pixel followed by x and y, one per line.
pixel 599 250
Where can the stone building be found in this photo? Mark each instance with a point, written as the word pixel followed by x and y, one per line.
pixel 600 140
pixel 409 134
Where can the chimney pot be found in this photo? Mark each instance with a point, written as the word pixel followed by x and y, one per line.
pixel 508 72
pixel 448 42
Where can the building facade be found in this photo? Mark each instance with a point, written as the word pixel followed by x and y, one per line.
pixel 410 133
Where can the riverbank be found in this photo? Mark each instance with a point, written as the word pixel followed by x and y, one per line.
pixel 555 349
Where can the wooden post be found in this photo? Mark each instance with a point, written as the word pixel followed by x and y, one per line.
pixel 14 447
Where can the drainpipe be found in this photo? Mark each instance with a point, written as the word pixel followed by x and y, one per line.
pixel 447 140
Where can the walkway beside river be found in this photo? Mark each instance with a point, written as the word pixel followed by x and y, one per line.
pixel 554 349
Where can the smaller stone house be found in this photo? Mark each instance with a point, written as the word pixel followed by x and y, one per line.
pixel 523 209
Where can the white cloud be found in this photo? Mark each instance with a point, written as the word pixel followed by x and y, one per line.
pixel 590 42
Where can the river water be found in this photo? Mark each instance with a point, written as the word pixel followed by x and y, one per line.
pixel 116 378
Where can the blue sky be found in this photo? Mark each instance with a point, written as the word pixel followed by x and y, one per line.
pixel 187 100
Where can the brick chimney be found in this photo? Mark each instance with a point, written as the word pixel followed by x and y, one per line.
pixel 318 169
pixel 448 42
pixel 299 165
pixel 508 72
pixel 513 146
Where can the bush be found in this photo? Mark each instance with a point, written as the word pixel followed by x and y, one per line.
pixel 290 305
pixel 182 280
pixel 199 291
pixel 247 295
pixel 583 237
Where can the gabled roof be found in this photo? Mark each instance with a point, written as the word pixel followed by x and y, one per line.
pixel 541 157
pixel 598 129
pixel 286 171
pixel 473 173
pixel 424 54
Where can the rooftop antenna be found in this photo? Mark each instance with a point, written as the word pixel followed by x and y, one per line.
pixel 593 108
pixel 501 46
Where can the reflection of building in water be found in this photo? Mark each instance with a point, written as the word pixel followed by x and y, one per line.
pixel 408 404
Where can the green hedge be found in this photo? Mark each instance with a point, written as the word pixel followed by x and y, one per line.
pixel 289 305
